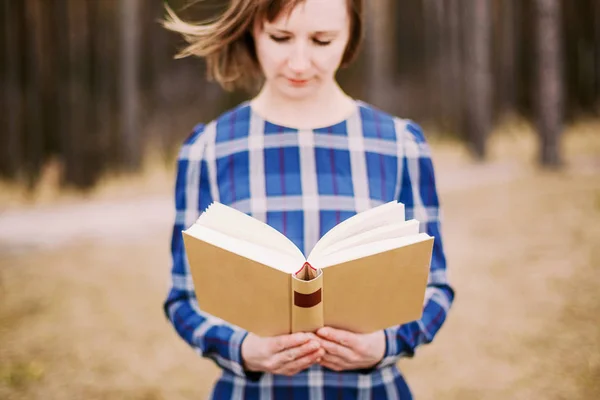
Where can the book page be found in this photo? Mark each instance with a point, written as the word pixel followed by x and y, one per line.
pixel 264 255
pixel 385 214
pixel 234 223
pixel 367 250
pixel 397 230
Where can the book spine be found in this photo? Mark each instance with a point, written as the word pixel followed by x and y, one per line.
pixel 307 300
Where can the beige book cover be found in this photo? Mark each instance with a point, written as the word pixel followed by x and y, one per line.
pixel 368 273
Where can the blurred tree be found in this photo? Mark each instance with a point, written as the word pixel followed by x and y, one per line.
pixel 596 24
pixel 51 90
pixel 379 40
pixel 129 85
pixel 35 126
pixel 506 60
pixel 549 80
pixel 410 69
pixel 105 88
pixel 78 157
pixel 160 54
pixel 525 59
pixel 63 78
pixel 478 74
pixel 13 27
pixel 94 83
pixel 452 66
pixel 435 58
pixel 577 36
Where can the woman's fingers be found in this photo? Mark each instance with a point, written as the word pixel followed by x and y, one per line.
pixel 287 356
pixel 335 360
pixel 301 363
pixel 327 363
pixel 338 350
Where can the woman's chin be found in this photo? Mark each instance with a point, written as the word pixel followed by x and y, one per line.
pixel 298 92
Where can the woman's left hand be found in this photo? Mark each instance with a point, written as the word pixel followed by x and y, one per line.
pixel 349 351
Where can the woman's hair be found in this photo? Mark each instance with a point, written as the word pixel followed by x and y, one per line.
pixel 227 44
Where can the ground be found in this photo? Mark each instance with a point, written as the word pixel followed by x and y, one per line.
pixel 81 286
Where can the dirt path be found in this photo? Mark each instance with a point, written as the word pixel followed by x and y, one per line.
pixel 134 219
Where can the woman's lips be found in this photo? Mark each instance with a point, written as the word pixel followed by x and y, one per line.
pixel 298 82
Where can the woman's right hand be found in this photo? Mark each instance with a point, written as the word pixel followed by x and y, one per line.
pixel 283 355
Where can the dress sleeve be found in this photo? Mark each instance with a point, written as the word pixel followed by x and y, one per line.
pixel 419 195
pixel 207 335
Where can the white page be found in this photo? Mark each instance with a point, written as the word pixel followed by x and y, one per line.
pixel 405 228
pixel 385 214
pixel 234 223
pixel 264 255
pixel 366 250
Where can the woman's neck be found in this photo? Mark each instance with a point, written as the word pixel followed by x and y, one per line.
pixel 331 105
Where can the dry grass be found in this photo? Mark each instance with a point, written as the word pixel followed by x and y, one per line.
pixel 85 321
pixel 153 179
pixel 524 259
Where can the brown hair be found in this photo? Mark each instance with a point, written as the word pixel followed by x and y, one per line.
pixel 228 46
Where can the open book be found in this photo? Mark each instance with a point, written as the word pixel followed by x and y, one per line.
pixel 367 273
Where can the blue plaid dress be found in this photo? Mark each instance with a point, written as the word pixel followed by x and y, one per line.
pixel 304 182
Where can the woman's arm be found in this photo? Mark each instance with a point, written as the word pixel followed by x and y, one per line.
pixel 419 195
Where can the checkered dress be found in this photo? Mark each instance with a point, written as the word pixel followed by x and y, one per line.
pixel 303 183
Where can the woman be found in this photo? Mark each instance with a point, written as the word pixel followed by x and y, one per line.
pixel 301 156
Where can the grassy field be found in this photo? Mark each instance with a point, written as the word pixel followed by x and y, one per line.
pixel 85 320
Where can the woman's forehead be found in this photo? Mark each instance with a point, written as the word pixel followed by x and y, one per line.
pixel 314 16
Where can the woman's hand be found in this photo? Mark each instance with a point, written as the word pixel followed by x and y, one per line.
pixel 284 355
pixel 349 351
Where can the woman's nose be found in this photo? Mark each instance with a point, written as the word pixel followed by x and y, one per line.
pixel 299 60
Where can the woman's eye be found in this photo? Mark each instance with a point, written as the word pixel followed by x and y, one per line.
pixel 279 39
pixel 321 42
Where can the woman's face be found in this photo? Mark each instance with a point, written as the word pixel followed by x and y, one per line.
pixel 301 52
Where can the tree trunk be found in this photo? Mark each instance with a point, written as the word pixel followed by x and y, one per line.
pixel 34 125
pixel 478 75
pixel 62 46
pixel 549 80
pixel 97 137
pixel 14 46
pixel 105 81
pixel 454 72
pixel 161 51
pixel 380 73
pixel 130 116
pixel 4 34
pixel 433 11
pixel 51 89
pixel 507 60
pixel 596 24
pixel 78 105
